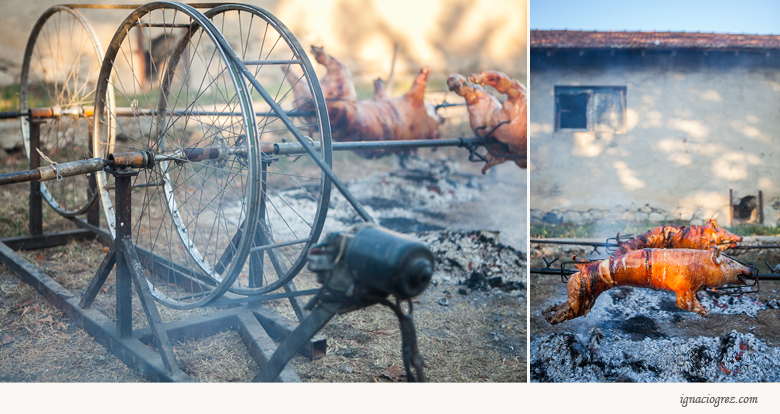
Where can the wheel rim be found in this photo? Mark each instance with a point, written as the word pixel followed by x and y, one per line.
pixel 184 96
pixel 60 70
pixel 295 193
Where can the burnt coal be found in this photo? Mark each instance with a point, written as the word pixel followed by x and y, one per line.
pixel 640 327
pixel 476 281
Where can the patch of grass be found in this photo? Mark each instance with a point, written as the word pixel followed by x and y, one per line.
pixel 754 230
pixel 592 230
pixel 563 230
pixel 9 98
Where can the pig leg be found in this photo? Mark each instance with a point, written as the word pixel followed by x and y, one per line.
pixel 687 300
pixel 500 82
pixel 380 92
pixel 558 313
pixel 417 91
pixel 337 83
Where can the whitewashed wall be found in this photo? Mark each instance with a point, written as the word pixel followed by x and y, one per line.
pixel 697 126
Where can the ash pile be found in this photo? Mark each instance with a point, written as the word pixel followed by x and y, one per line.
pixel 476 261
pixel 639 335
pixel 734 357
pixel 413 197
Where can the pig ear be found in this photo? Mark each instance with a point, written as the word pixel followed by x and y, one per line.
pixel 714 223
pixel 716 257
pixel 579 266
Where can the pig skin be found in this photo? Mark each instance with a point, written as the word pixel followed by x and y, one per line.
pixel 682 271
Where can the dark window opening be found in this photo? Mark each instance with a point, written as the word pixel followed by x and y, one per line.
pixel 747 209
pixel 590 108
pixel 573 111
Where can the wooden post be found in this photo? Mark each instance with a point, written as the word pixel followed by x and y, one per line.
pixel 731 207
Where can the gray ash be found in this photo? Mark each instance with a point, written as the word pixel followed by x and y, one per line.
pixel 734 357
pixel 476 260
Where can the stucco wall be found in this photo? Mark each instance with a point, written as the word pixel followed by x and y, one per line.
pixel 697 125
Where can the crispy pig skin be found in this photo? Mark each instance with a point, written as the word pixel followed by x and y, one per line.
pixel 673 237
pixel 404 117
pixel 682 271
pixel 487 113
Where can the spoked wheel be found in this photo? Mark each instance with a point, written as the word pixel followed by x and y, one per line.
pixel 59 75
pixel 295 192
pixel 180 99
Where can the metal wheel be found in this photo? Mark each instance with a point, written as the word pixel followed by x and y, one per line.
pixel 295 192
pixel 180 99
pixel 59 74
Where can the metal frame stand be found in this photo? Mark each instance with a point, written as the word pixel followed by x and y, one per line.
pixel 255 324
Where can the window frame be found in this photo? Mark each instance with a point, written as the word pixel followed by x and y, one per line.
pixel 590 110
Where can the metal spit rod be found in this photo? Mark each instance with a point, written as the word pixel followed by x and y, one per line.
pixel 141 159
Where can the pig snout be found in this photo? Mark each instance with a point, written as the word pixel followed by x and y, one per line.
pixel 729 237
pixel 737 273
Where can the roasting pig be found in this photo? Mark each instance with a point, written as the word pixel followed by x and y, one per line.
pixel 506 124
pixel 405 117
pixel 682 271
pixel 673 237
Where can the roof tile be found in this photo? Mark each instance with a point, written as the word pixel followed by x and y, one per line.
pixel 574 39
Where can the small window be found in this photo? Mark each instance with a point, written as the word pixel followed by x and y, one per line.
pixel 590 108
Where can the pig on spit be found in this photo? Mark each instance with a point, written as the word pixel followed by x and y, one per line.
pixel 505 125
pixel 673 237
pixel 405 117
pixel 682 271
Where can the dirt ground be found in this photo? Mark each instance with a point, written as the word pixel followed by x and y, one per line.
pixel 469 332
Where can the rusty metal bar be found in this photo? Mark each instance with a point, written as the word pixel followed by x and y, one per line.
pixel 36 199
pixel 128 111
pixel 260 345
pixel 52 172
pixel 47 240
pixel 100 278
pixel 124 281
pixel 290 148
pixel 296 340
pixel 147 302
pixel 140 159
pixel 51 112
pixel 275 245
pixel 194 327
pixel 572 242
pixel 279 328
